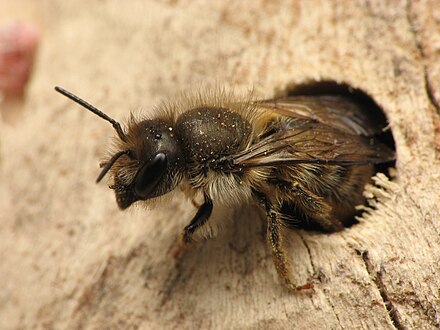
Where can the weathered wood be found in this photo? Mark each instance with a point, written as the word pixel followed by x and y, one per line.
pixel 70 259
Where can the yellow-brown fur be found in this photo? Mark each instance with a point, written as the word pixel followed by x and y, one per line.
pixel 304 160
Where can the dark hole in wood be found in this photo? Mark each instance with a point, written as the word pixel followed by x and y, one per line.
pixel 357 95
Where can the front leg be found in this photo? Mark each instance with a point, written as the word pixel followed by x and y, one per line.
pixel 202 215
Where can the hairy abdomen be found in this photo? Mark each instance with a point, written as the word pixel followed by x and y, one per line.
pixel 330 192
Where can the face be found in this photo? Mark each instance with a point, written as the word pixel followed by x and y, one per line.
pixel 151 165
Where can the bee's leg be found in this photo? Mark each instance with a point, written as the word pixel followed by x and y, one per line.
pixel 195 204
pixel 102 163
pixel 275 240
pixel 199 219
pixel 316 208
pixel 280 260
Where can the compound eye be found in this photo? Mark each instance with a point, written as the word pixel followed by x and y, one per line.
pixel 149 176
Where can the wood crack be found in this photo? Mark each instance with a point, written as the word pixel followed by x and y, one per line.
pixel 430 92
pixel 377 279
pixel 312 263
pixel 319 276
pixel 428 86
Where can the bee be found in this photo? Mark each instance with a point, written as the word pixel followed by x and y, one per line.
pixel 303 159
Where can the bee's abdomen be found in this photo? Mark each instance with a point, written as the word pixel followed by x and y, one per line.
pixel 339 183
pixel 208 134
pixel 349 191
pixel 335 190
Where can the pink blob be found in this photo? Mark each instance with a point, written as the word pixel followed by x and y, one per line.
pixel 18 44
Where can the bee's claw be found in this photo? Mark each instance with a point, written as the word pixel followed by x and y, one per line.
pixel 307 286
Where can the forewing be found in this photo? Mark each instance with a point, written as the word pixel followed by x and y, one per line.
pixel 313 142
pixel 335 111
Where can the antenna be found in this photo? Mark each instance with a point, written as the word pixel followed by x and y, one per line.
pixel 93 109
pixel 111 162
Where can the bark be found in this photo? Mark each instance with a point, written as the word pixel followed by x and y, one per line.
pixel 71 259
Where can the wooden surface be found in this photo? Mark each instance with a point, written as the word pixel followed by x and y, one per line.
pixel 70 259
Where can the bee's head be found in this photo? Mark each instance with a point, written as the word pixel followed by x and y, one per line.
pixel 149 161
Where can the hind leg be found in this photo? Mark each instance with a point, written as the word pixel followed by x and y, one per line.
pixel 308 209
pixel 316 208
pixel 275 239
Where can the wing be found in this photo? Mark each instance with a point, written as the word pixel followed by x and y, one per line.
pixel 336 111
pixel 309 134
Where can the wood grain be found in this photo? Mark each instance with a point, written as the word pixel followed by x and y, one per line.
pixel 70 259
